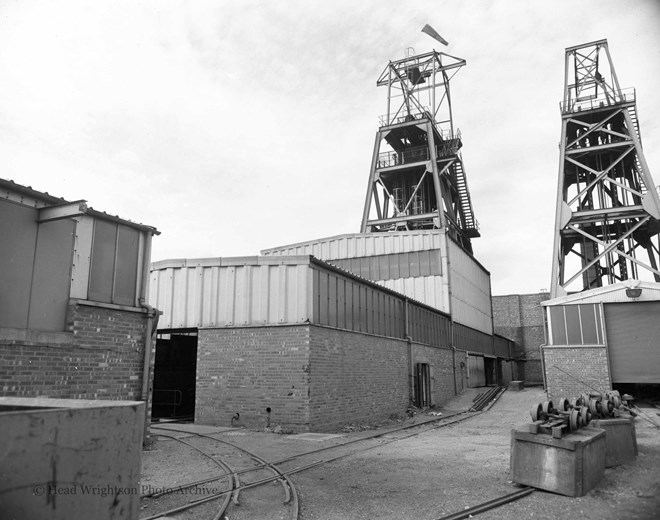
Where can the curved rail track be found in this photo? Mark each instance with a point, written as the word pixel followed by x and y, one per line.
pixel 234 485
pixel 235 481
pixel 231 486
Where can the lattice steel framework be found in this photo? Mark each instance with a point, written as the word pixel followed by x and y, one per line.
pixel 417 179
pixel 606 226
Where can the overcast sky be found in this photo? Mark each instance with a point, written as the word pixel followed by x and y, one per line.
pixel 238 126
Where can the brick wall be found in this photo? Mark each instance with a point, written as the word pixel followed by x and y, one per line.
pixel 587 367
pixel 99 357
pixel 519 317
pixel 247 370
pixel 356 378
pixel 311 377
pixel 441 361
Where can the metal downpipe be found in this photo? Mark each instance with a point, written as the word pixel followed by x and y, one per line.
pixel 152 325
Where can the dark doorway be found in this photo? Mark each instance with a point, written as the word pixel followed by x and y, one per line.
pixel 422 385
pixel 174 375
pixel 489 371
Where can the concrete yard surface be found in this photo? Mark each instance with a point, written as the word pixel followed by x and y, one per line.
pixel 428 473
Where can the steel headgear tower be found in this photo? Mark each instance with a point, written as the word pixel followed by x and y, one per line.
pixel 417 179
pixel 606 224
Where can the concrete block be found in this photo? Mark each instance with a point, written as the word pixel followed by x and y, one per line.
pixel 572 465
pixel 70 459
pixel 620 440
pixel 516 386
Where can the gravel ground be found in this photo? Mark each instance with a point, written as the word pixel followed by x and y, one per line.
pixel 438 472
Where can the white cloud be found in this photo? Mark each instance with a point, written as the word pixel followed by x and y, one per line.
pixel 238 126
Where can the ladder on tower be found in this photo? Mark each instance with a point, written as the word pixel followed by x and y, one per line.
pixel 470 224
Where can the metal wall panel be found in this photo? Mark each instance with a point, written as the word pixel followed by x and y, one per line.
pixel 470 290
pixel 426 326
pixel 226 292
pixel 126 266
pixel 466 338
pixel 429 290
pixel 503 347
pixel 362 244
pixel 35 267
pixel 18 229
pixel 350 304
pixel 103 261
pixel 633 332
pixel 52 276
pixel 201 294
pixel 393 266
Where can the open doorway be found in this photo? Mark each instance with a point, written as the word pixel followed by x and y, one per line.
pixel 174 375
pixel 490 371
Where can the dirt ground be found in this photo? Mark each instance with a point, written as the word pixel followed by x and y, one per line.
pixel 430 475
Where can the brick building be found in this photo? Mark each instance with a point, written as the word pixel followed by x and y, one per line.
pixel 602 339
pixel 519 317
pixel 74 322
pixel 295 341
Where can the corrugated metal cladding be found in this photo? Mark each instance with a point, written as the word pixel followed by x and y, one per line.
pixel 430 290
pixel 346 303
pixel 633 330
pixel 432 327
pixel 393 266
pixel 411 262
pixel 231 292
pixel 268 291
pixel 470 290
pixel 472 340
pixel 502 347
pixel 363 244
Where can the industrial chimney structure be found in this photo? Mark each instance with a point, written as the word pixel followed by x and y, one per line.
pixel 608 212
pixel 417 179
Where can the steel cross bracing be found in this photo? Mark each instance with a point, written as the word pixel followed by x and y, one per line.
pixel 417 179
pixel 608 211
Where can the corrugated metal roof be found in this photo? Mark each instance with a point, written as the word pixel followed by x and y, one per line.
pixel 650 291
pixel 42 199
pixel 363 244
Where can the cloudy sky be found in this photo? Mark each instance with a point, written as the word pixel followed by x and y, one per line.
pixel 238 126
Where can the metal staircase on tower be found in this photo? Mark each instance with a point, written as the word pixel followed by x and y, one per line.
pixel 417 178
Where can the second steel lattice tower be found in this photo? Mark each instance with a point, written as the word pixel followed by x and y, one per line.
pixel 608 212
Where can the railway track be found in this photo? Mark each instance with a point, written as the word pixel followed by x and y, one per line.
pixel 217 496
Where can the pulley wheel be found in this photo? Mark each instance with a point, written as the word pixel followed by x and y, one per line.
pixel 593 406
pixel 585 416
pixel 535 412
pixel 606 407
pixel 563 404
pixel 547 406
pixel 574 420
